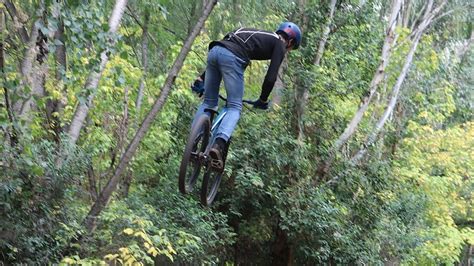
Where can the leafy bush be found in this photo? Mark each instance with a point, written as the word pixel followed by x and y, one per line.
pixel 38 187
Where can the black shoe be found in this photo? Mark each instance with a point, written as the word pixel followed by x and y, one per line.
pixel 217 153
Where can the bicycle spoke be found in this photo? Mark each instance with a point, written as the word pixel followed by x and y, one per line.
pixel 194 157
pixel 191 163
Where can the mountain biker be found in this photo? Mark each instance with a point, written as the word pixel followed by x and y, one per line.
pixel 227 60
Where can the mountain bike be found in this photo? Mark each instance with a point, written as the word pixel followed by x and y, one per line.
pixel 196 156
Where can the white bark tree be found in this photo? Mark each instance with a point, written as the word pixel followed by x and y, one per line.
pixel 429 14
pixel 303 93
pixel 92 82
pixel 378 77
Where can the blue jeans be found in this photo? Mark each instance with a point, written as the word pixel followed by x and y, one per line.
pixel 222 64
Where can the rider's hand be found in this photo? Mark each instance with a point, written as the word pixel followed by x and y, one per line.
pixel 260 104
pixel 198 87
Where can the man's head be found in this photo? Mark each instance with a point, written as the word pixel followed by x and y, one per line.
pixel 292 33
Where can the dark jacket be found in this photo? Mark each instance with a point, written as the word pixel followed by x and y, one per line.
pixel 253 44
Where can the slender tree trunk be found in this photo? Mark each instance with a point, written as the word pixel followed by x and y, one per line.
pixel 38 73
pixel 33 66
pixel 92 183
pixel 54 107
pixel 327 29
pixel 282 253
pixel 111 186
pixel 237 8
pixel 26 67
pixel 467 255
pixel 121 132
pixel 465 48
pixel 279 84
pixel 430 13
pixel 400 115
pixel 90 87
pixel 377 78
pixel 303 93
pixel 407 13
pixel 12 133
pixel 144 63
pixel 127 182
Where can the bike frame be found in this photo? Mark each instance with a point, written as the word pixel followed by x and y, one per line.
pixel 217 121
pixel 220 115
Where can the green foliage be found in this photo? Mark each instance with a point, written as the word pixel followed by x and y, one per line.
pixel 163 226
pixel 436 164
pixel 408 202
pixel 37 197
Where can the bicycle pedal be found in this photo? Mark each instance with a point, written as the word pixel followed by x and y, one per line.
pixel 217 164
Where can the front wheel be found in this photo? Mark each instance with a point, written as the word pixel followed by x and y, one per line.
pixel 195 147
pixel 210 184
pixel 211 180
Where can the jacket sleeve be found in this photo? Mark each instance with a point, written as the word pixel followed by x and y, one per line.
pixel 272 72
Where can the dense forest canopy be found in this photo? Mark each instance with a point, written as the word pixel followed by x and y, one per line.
pixel 366 155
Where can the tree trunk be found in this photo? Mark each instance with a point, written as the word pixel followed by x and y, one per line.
pixel 26 67
pixel 327 29
pixel 38 75
pixel 111 186
pixel 406 13
pixel 121 132
pixel 33 67
pixel 54 107
pixel 92 183
pixel 303 93
pixel 377 78
pixel 281 250
pixel 393 100
pixel 127 182
pixel 144 63
pixel 90 87
pixel 467 256
pixel 430 13
pixel 237 9
pixel 12 133
pixel 279 84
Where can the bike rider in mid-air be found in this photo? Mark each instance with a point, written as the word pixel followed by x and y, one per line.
pixel 227 60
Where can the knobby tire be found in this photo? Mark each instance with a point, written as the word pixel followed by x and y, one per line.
pixel 196 143
pixel 210 184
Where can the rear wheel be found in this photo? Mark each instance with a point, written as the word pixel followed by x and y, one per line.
pixel 195 146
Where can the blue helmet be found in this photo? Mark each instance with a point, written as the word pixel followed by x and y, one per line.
pixel 292 31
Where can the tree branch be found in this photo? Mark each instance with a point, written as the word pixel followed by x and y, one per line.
pixel 20 23
pixel 132 14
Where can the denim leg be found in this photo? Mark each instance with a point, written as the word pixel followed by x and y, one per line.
pixel 211 84
pixel 232 69
pixel 223 64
